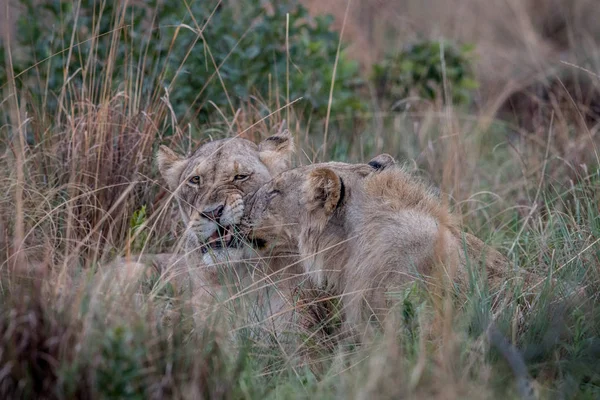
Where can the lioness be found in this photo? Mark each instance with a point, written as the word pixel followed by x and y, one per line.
pixel 361 233
pixel 211 187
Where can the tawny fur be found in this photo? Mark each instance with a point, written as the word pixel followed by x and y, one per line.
pixel 275 285
pixel 362 233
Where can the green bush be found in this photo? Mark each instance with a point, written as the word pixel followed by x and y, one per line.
pixel 43 56
pixel 250 43
pixel 419 69
pixel 162 39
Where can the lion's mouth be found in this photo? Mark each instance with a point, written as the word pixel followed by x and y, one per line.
pixel 223 237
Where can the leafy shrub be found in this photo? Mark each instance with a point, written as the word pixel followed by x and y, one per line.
pixel 253 55
pixel 419 69
pixel 248 44
pixel 46 30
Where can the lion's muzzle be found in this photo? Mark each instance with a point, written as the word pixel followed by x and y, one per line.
pixel 217 224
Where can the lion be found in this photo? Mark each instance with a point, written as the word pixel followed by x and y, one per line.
pixel 211 188
pixel 362 231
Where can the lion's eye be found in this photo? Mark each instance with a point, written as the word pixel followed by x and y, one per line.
pixel 241 177
pixel 194 180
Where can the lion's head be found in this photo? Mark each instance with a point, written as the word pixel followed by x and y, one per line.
pixel 211 186
pixel 278 207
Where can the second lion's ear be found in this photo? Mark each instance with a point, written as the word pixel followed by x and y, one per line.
pixel 382 161
pixel 275 152
pixel 324 189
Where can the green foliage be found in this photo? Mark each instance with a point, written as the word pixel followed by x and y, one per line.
pixel 136 231
pixel 46 31
pixel 247 44
pixel 421 69
pixel 252 58
pixel 120 372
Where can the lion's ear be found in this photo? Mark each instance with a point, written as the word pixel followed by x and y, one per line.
pixel 170 166
pixel 324 189
pixel 382 161
pixel 275 152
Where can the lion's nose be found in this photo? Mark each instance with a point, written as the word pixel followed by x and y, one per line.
pixel 214 214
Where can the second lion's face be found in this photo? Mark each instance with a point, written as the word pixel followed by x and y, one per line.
pixel 275 211
pixel 301 200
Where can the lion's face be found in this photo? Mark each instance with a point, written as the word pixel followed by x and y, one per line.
pixel 275 212
pixel 212 185
pixel 303 198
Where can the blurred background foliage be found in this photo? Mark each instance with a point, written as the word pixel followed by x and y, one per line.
pixel 180 51
pixel 257 55
pixel 426 70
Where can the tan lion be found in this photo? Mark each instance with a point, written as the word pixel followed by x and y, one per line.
pixel 361 234
pixel 211 187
